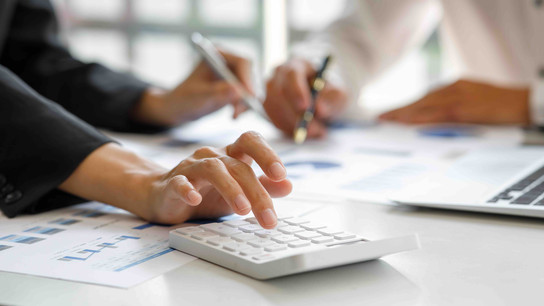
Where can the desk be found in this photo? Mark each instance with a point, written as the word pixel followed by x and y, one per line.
pixel 466 259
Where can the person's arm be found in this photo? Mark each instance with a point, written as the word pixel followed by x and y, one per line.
pixel 210 183
pixel 369 39
pixel 48 156
pixel 92 92
pixel 40 146
pixel 100 96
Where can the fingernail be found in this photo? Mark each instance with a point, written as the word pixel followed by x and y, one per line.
pixel 277 170
pixel 242 203
pixel 268 216
pixel 193 196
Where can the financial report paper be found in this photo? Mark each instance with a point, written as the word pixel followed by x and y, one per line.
pixel 91 243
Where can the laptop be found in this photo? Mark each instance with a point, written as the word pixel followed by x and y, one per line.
pixel 503 181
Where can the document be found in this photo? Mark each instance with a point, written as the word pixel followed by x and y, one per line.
pixel 361 161
pixel 98 244
pixel 91 243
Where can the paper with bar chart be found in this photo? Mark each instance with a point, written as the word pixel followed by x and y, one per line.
pixel 91 243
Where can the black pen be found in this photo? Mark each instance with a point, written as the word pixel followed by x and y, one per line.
pixel 301 131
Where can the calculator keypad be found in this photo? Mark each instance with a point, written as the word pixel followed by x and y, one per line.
pixel 246 238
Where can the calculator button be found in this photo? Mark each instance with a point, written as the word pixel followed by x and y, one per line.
pixel 313 226
pixel 243 237
pixel 282 218
pixel 235 246
pixel 189 230
pixel 329 231
pixel 260 243
pixel 267 233
pixel 323 239
pixel 281 224
pixel 235 223
pixel 275 247
pixel 252 220
pixel 344 236
pixel 250 228
pixel 220 229
pixel 296 221
pixel 264 257
pixel 251 251
pixel 307 235
pixel 219 241
pixel 291 229
pixel 203 235
pixel 284 238
pixel 299 244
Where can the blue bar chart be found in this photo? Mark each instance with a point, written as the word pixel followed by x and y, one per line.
pixel 88 253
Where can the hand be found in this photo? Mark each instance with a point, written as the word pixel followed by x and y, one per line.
pixel 216 182
pixel 200 94
pixel 288 96
pixel 210 183
pixel 467 102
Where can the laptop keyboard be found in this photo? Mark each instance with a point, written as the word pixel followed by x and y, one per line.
pixel 528 191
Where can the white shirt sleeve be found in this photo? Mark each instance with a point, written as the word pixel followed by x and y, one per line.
pixel 369 38
pixel 536 102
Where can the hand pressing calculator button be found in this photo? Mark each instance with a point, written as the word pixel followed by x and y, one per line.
pixel 298 246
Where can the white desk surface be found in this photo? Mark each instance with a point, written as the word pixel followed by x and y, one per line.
pixel 466 259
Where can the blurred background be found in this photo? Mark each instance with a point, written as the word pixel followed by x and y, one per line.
pixel 150 38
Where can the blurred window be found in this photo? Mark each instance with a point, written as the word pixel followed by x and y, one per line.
pixel 150 38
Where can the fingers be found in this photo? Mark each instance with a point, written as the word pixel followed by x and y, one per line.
pixel 223 92
pixel 258 196
pixel 288 94
pixel 276 189
pixel 282 112
pixel 436 106
pixel 330 102
pixel 239 108
pixel 295 87
pixel 185 190
pixel 253 145
pixel 235 181
pixel 241 67
pixel 213 171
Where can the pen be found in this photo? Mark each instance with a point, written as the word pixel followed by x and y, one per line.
pixel 218 64
pixel 301 131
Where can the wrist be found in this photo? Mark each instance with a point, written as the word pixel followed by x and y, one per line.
pixel 118 177
pixel 142 184
pixel 150 109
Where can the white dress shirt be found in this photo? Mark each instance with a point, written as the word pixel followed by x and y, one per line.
pixel 495 41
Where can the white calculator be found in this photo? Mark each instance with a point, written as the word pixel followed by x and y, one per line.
pixel 296 245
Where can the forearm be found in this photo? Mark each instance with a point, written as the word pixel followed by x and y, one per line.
pixel 113 175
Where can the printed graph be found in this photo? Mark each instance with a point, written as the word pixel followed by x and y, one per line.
pixel 89 214
pixel 88 253
pixel 4 247
pixel 44 230
pixel 21 239
pixel 63 221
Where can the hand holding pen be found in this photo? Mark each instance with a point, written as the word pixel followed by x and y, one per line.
pixel 318 83
pixel 289 96
pixel 217 63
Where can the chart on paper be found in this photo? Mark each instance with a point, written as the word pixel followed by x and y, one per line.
pixel 92 243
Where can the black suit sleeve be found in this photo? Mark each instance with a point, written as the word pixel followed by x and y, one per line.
pixel 41 144
pixel 92 92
